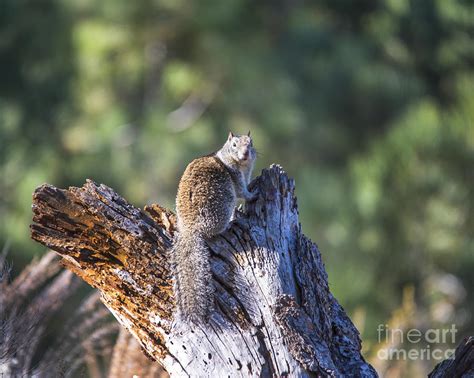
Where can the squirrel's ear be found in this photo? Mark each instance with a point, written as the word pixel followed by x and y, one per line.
pixel 248 134
pixel 231 135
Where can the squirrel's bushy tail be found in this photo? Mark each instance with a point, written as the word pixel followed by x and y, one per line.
pixel 192 276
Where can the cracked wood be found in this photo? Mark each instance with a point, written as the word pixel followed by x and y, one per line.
pixel 275 315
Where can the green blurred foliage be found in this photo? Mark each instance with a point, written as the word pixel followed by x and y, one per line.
pixel 369 104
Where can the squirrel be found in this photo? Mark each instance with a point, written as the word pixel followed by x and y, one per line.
pixel 205 202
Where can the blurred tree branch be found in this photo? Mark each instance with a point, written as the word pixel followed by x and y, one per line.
pixel 85 346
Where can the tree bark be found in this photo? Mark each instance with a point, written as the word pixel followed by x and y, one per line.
pixel 460 365
pixel 274 316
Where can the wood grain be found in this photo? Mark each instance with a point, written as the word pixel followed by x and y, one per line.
pixel 275 314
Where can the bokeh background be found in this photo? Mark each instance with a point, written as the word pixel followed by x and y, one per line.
pixel 368 104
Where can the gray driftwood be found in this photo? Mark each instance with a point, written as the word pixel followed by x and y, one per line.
pixel 275 315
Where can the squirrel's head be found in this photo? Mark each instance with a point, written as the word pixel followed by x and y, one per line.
pixel 240 147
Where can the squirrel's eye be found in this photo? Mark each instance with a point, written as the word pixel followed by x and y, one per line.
pixel 234 144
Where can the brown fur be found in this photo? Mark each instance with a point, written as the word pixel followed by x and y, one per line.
pixel 206 198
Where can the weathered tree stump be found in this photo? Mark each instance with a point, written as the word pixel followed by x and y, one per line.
pixel 275 315
pixel 462 363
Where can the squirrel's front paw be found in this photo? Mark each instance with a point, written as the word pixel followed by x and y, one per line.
pixel 252 185
pixel 252 196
